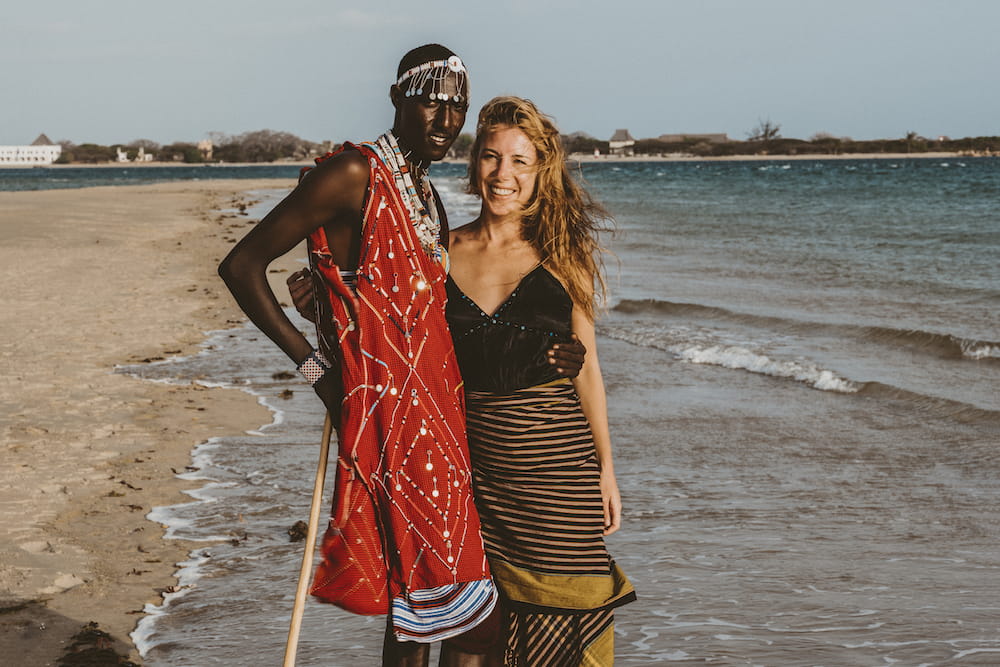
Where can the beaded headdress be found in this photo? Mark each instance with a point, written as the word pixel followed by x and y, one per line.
pixel 428 78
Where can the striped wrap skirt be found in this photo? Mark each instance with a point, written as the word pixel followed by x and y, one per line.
pixel 537 489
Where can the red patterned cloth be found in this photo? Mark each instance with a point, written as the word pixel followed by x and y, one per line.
pixel 402 424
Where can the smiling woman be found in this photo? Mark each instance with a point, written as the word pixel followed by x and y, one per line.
pixel 523 274
pixel 507 168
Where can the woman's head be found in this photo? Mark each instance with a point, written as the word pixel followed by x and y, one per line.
pixel 559 218
pixel 506 169
pixel 549 159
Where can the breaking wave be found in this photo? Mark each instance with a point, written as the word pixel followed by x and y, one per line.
pixel 945 346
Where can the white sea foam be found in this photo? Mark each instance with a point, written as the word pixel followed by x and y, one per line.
pixel 742 358
pixel 981 351
pixel 178 520
pixel 703 346
pixel 832 628
pixel 974 651
pixel 187 577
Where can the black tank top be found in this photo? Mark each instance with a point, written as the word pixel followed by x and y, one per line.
pixel 506 351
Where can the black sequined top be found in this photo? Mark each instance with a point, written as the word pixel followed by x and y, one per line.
pixel 506 351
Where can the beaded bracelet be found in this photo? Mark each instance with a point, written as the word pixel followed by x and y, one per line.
pixel 314 367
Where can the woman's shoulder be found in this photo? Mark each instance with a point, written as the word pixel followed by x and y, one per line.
pixel 562 276
pixel 465 230
pixel 462 239
pixel 555 273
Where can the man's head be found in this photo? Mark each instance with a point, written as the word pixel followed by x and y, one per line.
pixel 431 96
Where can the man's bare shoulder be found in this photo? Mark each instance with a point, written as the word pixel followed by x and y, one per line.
pixel 337 184
pixel 348 167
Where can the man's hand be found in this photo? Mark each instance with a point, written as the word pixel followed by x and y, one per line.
pixel 300 288
pixel 567 357
pixel 331 391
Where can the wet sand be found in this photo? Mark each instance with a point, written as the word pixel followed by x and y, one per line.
pixel 94 278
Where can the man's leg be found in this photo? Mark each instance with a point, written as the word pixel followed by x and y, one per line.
pixel 482 646
pixel 403 654
pixel 453 657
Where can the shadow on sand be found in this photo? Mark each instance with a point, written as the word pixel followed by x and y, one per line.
pixel 32 635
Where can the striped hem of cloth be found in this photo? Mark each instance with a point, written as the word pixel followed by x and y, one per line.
pixel 432 614
pixel 533 608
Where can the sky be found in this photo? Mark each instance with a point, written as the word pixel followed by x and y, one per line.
pixel 113 71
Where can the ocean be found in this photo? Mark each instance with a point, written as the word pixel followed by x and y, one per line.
pixel 59 178
pixel 802 361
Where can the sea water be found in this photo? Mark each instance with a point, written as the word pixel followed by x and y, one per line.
pixel 802 369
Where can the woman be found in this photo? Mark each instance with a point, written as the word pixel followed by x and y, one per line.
pixel 522 274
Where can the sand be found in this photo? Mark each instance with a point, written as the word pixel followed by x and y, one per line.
pixel 94 278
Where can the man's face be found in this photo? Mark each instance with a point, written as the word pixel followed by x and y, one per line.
pixel 427 128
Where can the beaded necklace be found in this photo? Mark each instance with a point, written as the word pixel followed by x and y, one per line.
pixel 426 224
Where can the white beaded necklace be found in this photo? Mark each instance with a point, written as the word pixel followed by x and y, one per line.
pixel 425 224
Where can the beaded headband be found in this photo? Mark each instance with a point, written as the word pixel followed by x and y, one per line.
pixel 429 78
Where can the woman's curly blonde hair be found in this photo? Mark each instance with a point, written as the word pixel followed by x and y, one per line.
pixel 561 221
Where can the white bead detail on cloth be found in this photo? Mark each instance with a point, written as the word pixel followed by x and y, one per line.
pixel 424 218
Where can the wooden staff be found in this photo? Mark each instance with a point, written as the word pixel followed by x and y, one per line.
pixel 305 573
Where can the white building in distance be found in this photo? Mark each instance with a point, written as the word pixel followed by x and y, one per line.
pixel 621 143
pixel 41 151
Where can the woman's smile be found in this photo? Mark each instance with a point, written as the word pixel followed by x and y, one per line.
pixel 508 167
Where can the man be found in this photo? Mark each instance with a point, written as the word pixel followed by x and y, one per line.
pixel 386 369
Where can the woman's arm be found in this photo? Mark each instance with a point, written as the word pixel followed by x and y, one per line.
pixel 332 194
pixel 590 387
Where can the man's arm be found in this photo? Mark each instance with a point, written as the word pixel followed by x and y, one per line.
pixel 332 195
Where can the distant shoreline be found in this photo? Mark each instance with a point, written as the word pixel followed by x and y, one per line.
pixel 143 165
pixel 577 157
pixel 763 158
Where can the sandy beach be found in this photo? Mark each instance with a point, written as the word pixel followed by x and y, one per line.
pixel 94 278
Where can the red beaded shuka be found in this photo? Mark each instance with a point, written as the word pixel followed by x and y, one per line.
pixel 404 530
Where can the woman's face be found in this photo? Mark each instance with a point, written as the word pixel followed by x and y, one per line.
pixel 508 169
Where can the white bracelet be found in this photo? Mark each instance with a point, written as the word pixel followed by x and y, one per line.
pixel 314 367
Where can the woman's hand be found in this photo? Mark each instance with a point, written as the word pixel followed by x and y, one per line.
pixel 611 499
pixel 300 288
